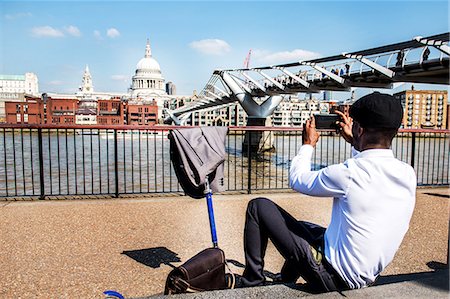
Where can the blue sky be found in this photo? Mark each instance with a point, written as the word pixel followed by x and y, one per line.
pixel 57 39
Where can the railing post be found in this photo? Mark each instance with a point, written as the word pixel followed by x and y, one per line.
pixel 249 164
pixel 116 164
pixel 41 165
pixel 413 149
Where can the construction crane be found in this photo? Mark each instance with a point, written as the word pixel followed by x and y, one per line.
pixel 247 59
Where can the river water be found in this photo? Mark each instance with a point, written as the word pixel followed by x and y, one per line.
pixel 85 164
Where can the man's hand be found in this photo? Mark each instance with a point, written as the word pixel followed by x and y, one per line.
pixel 310 135
pixel 345 127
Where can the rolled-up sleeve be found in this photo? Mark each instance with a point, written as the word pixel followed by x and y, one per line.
pixel 330 181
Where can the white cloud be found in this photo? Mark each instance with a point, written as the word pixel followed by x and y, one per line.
pixel 18 15
pixel 211 46
pixel 267 57
pixel 119 77
pixel 73 30
pixel 46 31
pixel 112 33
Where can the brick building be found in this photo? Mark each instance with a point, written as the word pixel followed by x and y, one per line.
pixel 61 111
pixel 424 108
pixel 30 111
pixel 69 111
pixel 142 114
pixel 110 112
pixel 14 88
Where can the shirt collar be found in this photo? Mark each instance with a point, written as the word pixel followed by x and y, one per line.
pixel 386 153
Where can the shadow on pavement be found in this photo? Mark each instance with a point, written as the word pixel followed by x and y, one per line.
pixel 437 279
pixel 240 265
pixel 154 257
pixel 438 194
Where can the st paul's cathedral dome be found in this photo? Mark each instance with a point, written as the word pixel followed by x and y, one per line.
pixel 148 80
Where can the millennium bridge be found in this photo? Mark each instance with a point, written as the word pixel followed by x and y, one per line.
pixel 420 60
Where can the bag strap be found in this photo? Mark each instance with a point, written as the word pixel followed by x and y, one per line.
pixel 174 284
pixel 167 289
pixel 233 276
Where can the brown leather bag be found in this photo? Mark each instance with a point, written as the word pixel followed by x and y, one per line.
pixel 203 272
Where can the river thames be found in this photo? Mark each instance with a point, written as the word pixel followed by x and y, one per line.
pixel 85 163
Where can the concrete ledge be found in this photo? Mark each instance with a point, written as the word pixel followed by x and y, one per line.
pixel 417 285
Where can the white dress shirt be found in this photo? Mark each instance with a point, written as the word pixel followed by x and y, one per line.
pixel 374 197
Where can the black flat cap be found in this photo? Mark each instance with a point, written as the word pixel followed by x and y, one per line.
pixel 378 110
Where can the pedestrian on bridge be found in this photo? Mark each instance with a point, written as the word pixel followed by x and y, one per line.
pixel 373 200
pixel 400 56
pixel 426 54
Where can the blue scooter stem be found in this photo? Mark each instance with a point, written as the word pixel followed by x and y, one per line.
pixel 212 223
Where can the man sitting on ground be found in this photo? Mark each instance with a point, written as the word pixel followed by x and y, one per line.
pixel 373 201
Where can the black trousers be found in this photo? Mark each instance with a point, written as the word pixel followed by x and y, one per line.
pixel 293 239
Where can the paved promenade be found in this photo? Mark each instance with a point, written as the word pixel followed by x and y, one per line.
pixel 80 248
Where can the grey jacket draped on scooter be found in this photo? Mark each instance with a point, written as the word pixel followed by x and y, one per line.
pixel 197 153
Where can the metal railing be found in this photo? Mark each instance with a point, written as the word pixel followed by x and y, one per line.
pixel 50 160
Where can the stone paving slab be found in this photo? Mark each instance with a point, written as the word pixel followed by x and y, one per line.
pixel 80 248
pixel 425 285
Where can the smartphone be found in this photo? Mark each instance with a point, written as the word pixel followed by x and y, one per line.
pixel 327 121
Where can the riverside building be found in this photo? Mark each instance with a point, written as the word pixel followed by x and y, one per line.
pixel 171 89
pixel 293 112
pixel 13 88
pixel 141 104
pixel 110 112
pixel 424 109
pixel 29 111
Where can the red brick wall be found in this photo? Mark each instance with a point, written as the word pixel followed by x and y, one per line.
pixel 31 111
pixel 110 112
pixel 142 114
pixel 61 111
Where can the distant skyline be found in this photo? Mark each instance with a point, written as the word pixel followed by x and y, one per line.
pixel 56 40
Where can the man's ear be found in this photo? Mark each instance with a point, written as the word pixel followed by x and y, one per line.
pixel 361 131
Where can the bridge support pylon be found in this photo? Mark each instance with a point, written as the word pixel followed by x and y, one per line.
pixel 255 142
